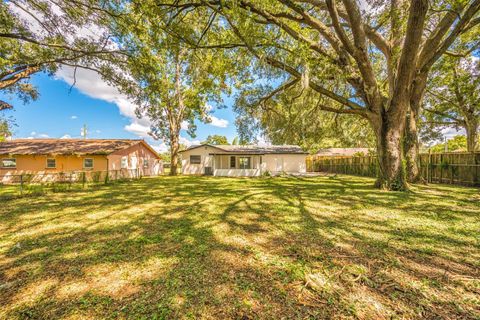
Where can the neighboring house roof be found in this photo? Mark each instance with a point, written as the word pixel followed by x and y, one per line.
pixel 253 149
pixel 68 146
pixel 332 152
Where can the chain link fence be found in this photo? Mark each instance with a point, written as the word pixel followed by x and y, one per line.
pixel 12 185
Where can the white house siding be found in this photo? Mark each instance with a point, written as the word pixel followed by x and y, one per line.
pixel 205 160
pixel 274 163
pixel 290 163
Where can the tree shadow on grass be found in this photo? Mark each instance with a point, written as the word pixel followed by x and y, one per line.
pixel 240 248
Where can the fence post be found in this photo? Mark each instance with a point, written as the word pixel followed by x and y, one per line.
pixel 84 177
pixel 21 184
pixel 475 169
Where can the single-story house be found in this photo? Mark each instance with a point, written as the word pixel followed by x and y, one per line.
pixel 40 156
pixel 341 152
pixel 243 160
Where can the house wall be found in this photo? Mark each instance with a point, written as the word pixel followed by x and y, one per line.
pixel 276 163
pixel 135 156
pixel 37 164
pixel 205 160
pixel 223 161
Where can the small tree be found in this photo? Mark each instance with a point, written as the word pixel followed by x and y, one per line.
pixel 453 97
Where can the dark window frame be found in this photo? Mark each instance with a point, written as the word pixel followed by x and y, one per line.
pixel 198 159
pixel 84 162
pixel 234 162
pixel 54 163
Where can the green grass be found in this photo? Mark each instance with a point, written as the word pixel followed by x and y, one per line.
pixel 270 248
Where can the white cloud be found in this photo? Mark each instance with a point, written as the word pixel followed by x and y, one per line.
pixel 138 129
pixel 188 142
pixel 216 122
pixel 184 125
pixel 98 131
pixel 451 132
pixel 66 136
pixel 43 135
pixel 91 84
pixel 33 133
pixel 160 147
pixel 73 117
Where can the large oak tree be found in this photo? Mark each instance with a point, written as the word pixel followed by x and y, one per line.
pixel 43 35
pixel 382 50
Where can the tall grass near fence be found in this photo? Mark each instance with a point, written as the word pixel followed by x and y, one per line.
pixel 453 168
pixel 39 183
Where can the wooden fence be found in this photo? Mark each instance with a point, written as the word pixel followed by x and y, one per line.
pixel 453 168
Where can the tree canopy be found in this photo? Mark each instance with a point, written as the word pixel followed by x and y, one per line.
pixel 172 84
pixel 215 139
pixel 453 97
pixel 42 35
pixel 369 59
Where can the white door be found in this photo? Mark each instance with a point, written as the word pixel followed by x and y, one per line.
pixel 279 164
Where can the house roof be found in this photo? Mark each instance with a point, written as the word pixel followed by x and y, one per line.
pixel 253 149
pixel 341 151
pixel 68 146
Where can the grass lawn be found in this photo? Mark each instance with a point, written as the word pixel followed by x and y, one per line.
pixel 214 248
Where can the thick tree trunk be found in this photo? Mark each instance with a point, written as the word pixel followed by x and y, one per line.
pixel 472 135
pixel 174 148
pixel 411 148
pixel 391 174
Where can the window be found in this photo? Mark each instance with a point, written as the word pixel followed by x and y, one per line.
pixel 145 163
pixel 124 163
pixel 9 163
pixel 232 162
pixel 195 159
pixel 244 162
pixel 51 163
pixel 88 163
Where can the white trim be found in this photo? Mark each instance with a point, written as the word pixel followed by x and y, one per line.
pixel 236 172
pixel 14 160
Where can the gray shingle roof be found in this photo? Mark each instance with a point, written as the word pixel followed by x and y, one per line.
pixel 255 149
pixel 341 151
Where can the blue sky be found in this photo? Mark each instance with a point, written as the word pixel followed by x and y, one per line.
pixel 61 111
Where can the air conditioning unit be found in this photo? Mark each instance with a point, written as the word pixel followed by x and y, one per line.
pixel 208 171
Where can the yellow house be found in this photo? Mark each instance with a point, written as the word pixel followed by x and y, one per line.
pixel 43 156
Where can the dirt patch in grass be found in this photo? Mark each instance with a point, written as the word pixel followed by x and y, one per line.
pixel 221 248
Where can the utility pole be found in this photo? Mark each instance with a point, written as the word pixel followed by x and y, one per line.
pixel 446 143
pixel 83 131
